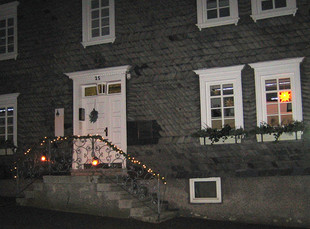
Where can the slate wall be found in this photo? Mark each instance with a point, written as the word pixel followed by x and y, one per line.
pixel 161 42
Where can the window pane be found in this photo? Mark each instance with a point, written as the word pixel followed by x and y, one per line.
pixel 10 22
pixel 280 3
pixel 285 108
pixel 114 88
pixel 104 3
pixel 205 189
pixel 286 119
pixel 95 33
pixel 10 138
pixel 95 23
pixel 224 3
pixel 10 111
pixel 272 109
pixel 267 5
pixel 10 121
pixel 271 85
pixel 211 14
pixel 228 89
pixel 2 138
pixel 2 111
pixel 229 112
pixel 11 40
pixel 211 4
pixel 215 90
pixel 2 23
pixel 105 21
pixel 217 124
pixel 11 48
pixel 215 102
pixel 94 4
pixel 10 129
pixel 285 83
pixel 10 31
pixel 2 33
pixel 2 49
pixel 105 12
pixel 105 31
pixel 216 113
pixel 273 120
pixel 224 12
pixel 271 97
pixel 2 130
pixel 95 14
pixel 2 121
pixel 228 101
pixel 230 122
pixel 90 91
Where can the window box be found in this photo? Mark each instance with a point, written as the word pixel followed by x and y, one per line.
pixel 283 137
pixel 229 140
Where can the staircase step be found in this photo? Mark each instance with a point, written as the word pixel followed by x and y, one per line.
pixel 132 203
pixel 153 218
pixel 29 194
pixel 141 211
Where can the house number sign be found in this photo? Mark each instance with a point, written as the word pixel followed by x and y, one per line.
pixel 97 77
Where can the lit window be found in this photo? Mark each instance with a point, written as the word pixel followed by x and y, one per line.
pixel 278 92
pixel 8 31
pixel 216 12
pixel 114 88
pixel 98 22
pixel 272 8
pixel 205 190
pixel 8 125
pixel 221 97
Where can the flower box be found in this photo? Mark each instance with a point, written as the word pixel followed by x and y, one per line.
pixel 283 137
pixel 229 140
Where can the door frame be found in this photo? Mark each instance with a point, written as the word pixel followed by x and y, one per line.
pixel 82 78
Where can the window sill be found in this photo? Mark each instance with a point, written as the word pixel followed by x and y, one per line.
pixel 271 14
pixel 283 137
pixel 98 42
pixel 217 22
pixel 8 56
pixel 229 140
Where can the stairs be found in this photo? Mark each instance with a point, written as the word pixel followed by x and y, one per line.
pixel 91 194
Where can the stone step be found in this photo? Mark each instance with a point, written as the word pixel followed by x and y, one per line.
pixel 153 218
pixel 132 203
pixel 29 194
pixel 141 211
pixel 117 195
pixel 108 187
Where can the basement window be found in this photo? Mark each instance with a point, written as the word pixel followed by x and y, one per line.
pixel 205 190
pixel 142 132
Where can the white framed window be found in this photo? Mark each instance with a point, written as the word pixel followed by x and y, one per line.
pixel 262 9
pixel 278 91
pixel 205 190
pixel 8 31
pixel 98 22
pixel 8 120
pixel 221 97
pixel 212 13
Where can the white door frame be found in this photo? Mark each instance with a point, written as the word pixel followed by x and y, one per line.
pixel 95 76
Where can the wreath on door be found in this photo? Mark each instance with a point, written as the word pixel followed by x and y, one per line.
pixel 93 116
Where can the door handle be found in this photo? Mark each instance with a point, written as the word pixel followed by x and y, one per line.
pixel 106 131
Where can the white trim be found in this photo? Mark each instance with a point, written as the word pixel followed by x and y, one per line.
pixel 258 13
pixel 220 75
pixel 203 22
pixel 11 100
pixel 194 199
pixel 87 39
pixel 275 69
pixel 9 10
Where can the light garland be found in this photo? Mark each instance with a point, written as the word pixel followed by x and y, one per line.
pixel 106 142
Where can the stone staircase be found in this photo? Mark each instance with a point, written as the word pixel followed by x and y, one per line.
pixel 91 194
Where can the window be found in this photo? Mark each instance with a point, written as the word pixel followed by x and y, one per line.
pixel 262 9
pixel 221 97
pixel 205 190
pixel 216 12
pixel 278 91
pixel 8 122
pixel 142 132
pixel 8 31
pixel 98 22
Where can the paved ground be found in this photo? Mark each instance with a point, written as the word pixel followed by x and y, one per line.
pixel 12 216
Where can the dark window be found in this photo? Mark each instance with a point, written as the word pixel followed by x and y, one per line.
pixel 142 132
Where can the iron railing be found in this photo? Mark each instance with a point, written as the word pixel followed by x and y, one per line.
pixel 64 155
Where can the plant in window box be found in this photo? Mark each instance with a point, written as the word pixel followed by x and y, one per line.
pixel 290 131
pixel 210 136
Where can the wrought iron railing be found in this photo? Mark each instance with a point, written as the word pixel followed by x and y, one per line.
pixel 64 155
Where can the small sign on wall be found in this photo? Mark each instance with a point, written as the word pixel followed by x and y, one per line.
pixel 59 122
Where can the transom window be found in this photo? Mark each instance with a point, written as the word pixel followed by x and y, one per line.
pixel 8 31
pixel 98 22
pixel 102 89
pixel 221 97
pixel 216 12
pixel 278 91
pixel 272 8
